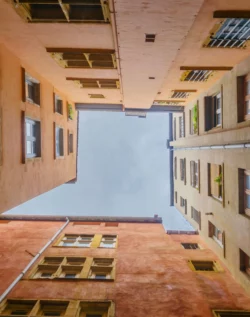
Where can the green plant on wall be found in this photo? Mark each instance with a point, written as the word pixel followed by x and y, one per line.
pixel 195 118
pixel 218 179
pixel 70 111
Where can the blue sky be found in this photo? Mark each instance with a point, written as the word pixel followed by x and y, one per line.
pixel 123 170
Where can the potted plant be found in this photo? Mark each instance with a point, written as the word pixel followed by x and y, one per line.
pixel 218 179
pixel 70 112
pixel 195 118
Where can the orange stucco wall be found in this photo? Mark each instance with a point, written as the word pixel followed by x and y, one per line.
pixel 21 182
pixel 152 275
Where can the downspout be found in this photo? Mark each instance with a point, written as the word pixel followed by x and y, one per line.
pixel 115 36
pixel 12 285
pixel 214 147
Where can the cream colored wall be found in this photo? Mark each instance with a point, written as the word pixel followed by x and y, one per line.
pixel 21 182
pixel 232 131
pixel 228 219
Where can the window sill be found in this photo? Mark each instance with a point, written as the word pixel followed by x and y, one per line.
pixel 30 101
pixel 58 113
pixel 218 199
pixel 59 157
pixel 33 159
pixel 72 279
pixel 218 242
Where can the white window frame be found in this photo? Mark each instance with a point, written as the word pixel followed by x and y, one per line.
pixel 32 139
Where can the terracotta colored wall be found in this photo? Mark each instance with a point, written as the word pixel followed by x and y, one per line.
pixel 19 240
pixel 152 276
pixel 21 182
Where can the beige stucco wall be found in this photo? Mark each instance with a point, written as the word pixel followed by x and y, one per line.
pixel 227 218
pixel 20 182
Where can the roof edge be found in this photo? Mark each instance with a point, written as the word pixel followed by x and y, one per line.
pixel 155 219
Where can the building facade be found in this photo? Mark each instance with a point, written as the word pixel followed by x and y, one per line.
pixel 211 162
pixel 111 267
pixel 60 57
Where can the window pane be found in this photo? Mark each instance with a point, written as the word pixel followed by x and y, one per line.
pixel 247 106
pixel 218 119
pixel 248 201
pixel 248 87
pixel 247 177
pixel 29 147
pixel 28 128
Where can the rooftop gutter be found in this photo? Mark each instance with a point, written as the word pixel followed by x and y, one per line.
pixel 154 219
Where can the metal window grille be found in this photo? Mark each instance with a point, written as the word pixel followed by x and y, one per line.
pixel 233 33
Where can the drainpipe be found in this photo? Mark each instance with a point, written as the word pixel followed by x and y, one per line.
pixel 32 262
pixel 115 37
pixel 214 147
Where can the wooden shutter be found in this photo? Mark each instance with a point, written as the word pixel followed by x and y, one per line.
pixel 192 173
pixel 210 229
pixel 214 172
pixel 61 142
pixel 23 84
pixel 208 113
pixel 37 93
pixel 199 175
pixel 224 243
pixel 185 206
pixel 184 170
pixel 199 220
pixel 23 138
pixel 241 98
pixel 184 125
pixel 241 191
pixel 54 102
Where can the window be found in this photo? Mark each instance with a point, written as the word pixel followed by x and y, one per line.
pixel 83 58
pixel 29 307
pixel 57 308
pixel 245 263
pixel 101 269
pixel 67 12
pixel 96 83
pixel 70 142
pixel 232 33
pixel 243 98
pixel 193 120
pixel 58 104
pixel 183 170
pixel 216 234
pixel 176 197
pixel 182 93
pixel 32 138
pixel 213 112
pixel 244 191
pixel 150 37
pixel 175 167
pixel 205 266
pixel 95 309
pixel 74 268
pixel 59 141
pixel 74 240
pixel 182 126
pixel 215 181
pixel 231 313
pixel 97 96
pixel 196 215
pixel 195 174
pixel 18 307
pixel 196 75
pixel 108 241
pixel 31 89
pixel 183 203
pixel 190 246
